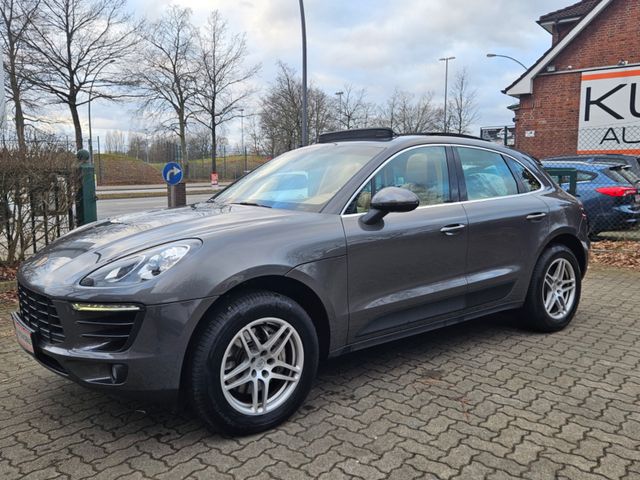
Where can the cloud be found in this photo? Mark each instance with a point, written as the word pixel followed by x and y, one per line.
pixel 380 45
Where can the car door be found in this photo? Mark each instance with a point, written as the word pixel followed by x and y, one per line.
pixel 507 224
pixel 410 267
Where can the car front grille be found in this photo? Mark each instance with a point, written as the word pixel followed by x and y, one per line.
pixel 39 313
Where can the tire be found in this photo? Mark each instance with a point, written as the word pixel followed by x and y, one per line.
pixel 235 409
pixel 535 312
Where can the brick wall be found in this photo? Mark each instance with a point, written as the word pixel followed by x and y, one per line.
pixel 552 110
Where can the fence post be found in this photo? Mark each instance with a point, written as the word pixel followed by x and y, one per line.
pixel 86 207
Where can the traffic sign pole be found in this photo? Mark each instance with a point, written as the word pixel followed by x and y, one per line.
pixel 176 190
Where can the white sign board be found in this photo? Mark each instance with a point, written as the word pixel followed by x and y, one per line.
pixel 610 111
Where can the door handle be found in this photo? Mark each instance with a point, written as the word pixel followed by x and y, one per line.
pixel 452 229
pixel 536 216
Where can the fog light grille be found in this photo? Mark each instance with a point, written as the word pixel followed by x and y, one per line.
pixel 106 330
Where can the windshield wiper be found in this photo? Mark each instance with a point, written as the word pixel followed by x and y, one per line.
pixel 251 204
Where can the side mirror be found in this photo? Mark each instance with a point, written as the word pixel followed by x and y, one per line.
pixel 389 200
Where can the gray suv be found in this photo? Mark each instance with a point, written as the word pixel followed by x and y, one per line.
pixel 364 238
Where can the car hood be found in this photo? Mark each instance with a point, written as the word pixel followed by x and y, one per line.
pixel 105 240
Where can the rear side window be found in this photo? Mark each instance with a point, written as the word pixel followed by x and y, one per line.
pixel 486 174
pixel 527 179
pixel 584 176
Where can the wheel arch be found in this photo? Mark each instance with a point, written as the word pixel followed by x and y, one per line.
pixel 295 289
pixel 573 243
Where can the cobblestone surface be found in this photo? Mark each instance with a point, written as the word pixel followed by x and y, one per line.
pixel 480 400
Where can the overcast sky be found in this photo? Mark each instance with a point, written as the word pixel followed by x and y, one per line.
pixel 377 45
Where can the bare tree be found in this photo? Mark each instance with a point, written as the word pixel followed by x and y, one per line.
pixel 222 77
pixel 352 109
pixel 115 141
pixel 281 112
pixel 137 145
pixel 463 107
pixel 404 114
pixel 17 19
pixel 73 47
pixel 166 73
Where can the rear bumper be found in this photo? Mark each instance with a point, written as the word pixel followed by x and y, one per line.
pixel 148 367
pixel 623 218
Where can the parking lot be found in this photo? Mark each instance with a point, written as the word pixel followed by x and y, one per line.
pixel 481 400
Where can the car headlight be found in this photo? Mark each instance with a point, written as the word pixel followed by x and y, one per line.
pixel 139 267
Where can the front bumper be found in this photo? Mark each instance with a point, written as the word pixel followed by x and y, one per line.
pixel 147 365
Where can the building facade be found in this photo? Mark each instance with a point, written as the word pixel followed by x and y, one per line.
pixel 583 94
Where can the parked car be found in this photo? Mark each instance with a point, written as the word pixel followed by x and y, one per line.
pixel 608 191
pixel 233 302
pixel 616 159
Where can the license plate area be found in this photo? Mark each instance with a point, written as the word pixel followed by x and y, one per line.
pixel 24 334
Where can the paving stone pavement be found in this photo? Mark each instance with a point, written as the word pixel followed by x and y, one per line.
pixel 479 400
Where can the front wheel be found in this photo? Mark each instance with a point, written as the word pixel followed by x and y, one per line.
pixel 554 292
pixel 253 364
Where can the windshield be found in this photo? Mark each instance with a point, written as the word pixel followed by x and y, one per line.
pixel 304 179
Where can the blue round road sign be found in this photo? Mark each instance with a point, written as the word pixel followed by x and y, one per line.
pixel 172 173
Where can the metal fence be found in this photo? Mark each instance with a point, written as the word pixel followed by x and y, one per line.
pixel 229 168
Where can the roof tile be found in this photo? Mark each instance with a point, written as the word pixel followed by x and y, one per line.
pixel 579 9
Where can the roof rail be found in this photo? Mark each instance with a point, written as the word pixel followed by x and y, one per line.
pixel 447 134
pixel 357 134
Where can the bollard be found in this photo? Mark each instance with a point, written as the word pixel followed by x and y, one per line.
pixel 177 195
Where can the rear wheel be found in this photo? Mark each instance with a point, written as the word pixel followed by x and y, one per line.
pixel 554 291
pixel 253 364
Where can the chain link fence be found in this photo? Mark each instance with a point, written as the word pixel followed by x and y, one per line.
pixel 605 176
pixel 229 168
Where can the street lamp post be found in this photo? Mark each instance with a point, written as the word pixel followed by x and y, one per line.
pixel 89 107
pixel 492 55
pixel 339 95
pixel 446 87
pixel 244 150
pixel 305 139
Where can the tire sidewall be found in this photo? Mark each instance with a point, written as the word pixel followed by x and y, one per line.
pixel 236 317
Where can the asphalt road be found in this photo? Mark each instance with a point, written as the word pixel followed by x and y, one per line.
pixel 112 208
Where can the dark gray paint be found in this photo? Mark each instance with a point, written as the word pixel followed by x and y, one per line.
pixel 376 282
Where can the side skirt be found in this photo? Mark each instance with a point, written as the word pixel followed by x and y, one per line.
pixel 445 321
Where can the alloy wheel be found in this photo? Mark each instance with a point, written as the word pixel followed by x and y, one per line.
pixel 262 366
pixel 559 289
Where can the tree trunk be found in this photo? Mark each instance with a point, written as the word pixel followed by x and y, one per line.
pixel 15 92
pixel 183 148
pixel 19 114
pixel 76 123
pixel 214 167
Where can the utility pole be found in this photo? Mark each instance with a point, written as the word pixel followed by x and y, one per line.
pixel 89 106
pixel 339 95
pixel 446 88
pixel 305 139
pixel 244 150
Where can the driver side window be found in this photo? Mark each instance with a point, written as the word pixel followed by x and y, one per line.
pixel 421 170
